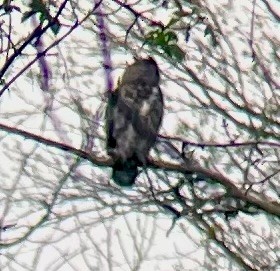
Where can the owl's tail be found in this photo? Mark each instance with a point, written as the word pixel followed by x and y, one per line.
pixel 125 172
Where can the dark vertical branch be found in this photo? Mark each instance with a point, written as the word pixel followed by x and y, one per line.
pixel 107 63
pixel 45 70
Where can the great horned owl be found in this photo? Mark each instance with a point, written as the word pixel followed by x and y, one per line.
pixel 134 115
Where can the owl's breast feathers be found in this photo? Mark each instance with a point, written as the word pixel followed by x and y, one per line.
pixel 134 115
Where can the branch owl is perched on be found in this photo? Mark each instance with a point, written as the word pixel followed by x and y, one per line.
pixel 134 115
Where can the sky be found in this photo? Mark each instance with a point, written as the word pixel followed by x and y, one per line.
pixel 24 106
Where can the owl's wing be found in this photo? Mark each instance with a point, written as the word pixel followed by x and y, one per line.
pixel 123 136
pixel 121 139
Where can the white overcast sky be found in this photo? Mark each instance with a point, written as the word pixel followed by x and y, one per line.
pixel 29 96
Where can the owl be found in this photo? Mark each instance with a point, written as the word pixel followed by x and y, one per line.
pixel 134 114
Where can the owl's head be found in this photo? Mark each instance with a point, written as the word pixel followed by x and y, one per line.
pixel 142 71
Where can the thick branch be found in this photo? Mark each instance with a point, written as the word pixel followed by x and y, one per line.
pixel 269 207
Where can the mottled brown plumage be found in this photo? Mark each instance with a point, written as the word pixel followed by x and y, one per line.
pixel 134 115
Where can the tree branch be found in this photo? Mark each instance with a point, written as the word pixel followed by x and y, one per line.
pixel 220 145
pixel 186 166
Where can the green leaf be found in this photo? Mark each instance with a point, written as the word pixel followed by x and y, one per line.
pixel 2 81
pixel 38 6
pixel 208 31
pixel 161 38
pixel 27 15
pixel 156 38
pixel 211 233
pixel 55 28
pixel 43 17
pixel 172 21
pixel 166 41
pixel 176 52
pixel 170 36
